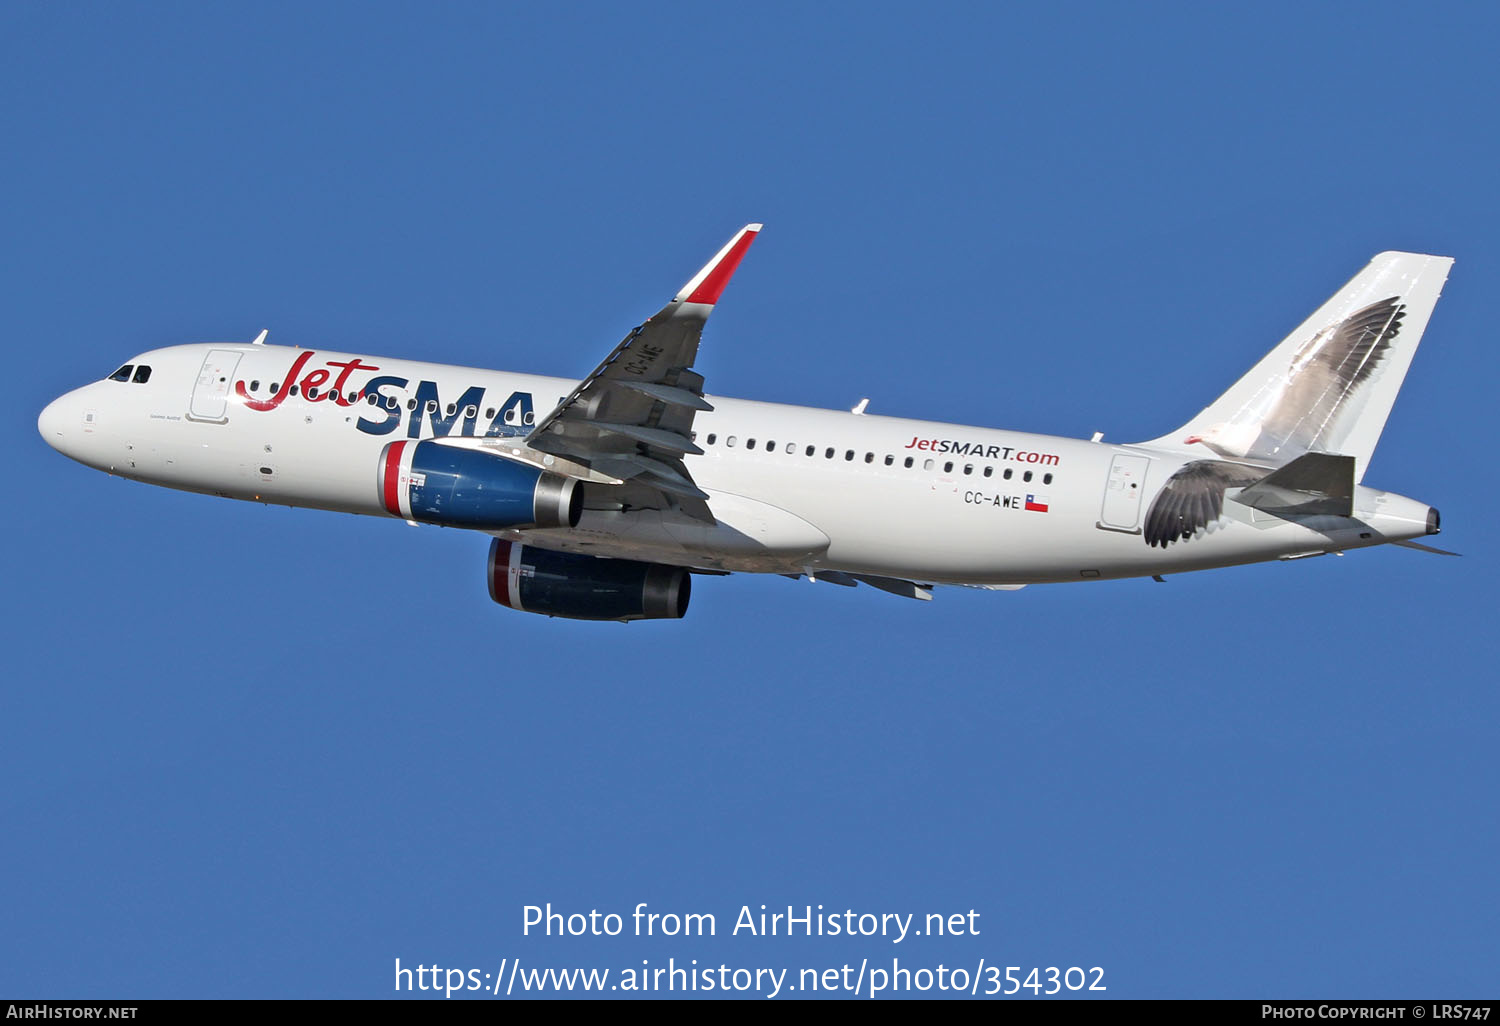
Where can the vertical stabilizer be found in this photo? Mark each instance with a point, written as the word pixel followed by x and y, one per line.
pixel 1329 386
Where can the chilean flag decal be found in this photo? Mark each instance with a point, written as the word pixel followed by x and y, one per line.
pixel 1035 504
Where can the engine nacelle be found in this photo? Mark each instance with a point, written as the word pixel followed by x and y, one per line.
pixel 585 587
pixel 455 487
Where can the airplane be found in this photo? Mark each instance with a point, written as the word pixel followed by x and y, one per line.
pixel 603 497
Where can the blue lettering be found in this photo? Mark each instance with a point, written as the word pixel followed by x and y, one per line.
pixel 513 417
pixel 389 418
pixel 442 422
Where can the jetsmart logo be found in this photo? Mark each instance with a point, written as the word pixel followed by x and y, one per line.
pixel 981 451
pixel 387 401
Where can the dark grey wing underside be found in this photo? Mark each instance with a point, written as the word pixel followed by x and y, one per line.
pixel 1193 498
pixel 631 420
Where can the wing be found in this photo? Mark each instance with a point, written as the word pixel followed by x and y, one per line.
pixel 1193 498
pixel 632 418
pixel 1324 373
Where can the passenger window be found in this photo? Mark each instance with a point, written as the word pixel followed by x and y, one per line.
pixel 908 462
pixel 123 374
pixel 749 443
pixel 812 450
pixel 730 441
pixel 489 414
pixel 255 386
pixel 373 399
pixel 848 455
pixel 926 464
pixel 293 390
pixel 432 406
pixel 828 453
pixel 889 459
pixel 791 449
pixel 989 471
pixel 948 468
pixel 1026 476
pixel 411 404
pixel 1046 479
pixel 968 468
pixel 1008 473
pixel 451 408
pixel 712 438
pixel 392 402
pixel 770 447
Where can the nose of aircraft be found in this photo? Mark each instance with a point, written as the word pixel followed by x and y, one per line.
pixel 61 424
pixel 52 424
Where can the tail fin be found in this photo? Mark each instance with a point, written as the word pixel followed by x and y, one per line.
pixel 1329 386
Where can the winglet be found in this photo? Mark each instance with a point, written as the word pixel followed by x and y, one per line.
pixel 708 284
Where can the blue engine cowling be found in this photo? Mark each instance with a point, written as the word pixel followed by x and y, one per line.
pixel 444 484
pixel 585 587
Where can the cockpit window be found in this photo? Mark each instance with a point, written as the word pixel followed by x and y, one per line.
pixel 142 374
pixel 123 374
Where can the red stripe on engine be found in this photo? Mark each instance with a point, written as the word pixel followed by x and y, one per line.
pixel 500 585
pixel 393 477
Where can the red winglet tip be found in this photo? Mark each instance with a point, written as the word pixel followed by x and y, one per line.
pixel 712 286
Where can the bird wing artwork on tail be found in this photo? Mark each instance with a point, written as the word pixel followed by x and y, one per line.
pixel 1324 374
pixel 1325 391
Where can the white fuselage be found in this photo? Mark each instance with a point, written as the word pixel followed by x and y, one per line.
pixel 794 490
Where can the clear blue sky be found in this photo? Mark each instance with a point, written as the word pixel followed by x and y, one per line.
pixel 264 752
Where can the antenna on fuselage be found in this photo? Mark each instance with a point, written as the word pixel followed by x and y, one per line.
pixel 859 408
pixel 260 339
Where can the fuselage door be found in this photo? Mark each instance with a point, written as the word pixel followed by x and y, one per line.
pixel 1123 492
pixel 211 393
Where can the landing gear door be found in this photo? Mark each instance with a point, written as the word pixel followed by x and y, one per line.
pixel 1123 491
pixel 211 393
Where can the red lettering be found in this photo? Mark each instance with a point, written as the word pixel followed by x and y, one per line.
pixel 313 380
pixel 343 378
pixel 281 393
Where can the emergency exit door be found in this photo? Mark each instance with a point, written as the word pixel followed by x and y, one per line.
pixel 211 393
pixel 1123 492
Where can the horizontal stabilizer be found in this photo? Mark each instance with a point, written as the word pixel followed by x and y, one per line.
pixel 1315 483
pixel 1425 548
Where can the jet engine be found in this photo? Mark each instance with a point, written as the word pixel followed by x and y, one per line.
pixel 456 487
pixel 585 587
